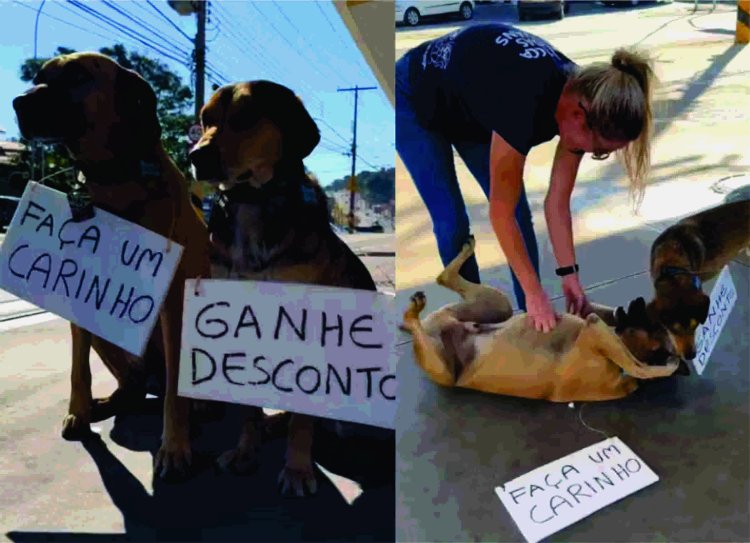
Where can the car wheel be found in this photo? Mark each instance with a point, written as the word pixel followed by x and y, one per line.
pixel 411 17
pixel 566 7
pixel 466 11
pixel 522 16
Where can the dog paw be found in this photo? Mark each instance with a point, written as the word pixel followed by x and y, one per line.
pixel 238 461
pixel 173 460
pixel 592 318
pixel 298 482
pixel 76 428
pixel 418 301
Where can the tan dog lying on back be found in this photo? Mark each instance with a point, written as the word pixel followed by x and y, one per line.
pixel 477 344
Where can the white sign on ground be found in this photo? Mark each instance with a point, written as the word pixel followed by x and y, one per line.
pixel 310 349
pixel 723 297
pixel 561 493
pixel 105 274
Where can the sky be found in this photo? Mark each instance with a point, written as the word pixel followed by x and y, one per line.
pixel 302 44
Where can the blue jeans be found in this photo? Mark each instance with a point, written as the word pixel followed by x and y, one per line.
pixel 428 156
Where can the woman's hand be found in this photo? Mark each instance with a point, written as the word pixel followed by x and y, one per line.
pixel 575 298
pixel 540 311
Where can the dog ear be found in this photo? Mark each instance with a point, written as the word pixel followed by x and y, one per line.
pixel 300 132
pixel 637 311
pixel 136 103
pixel 621 320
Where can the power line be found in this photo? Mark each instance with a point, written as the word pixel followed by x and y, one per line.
pixel 125 30
pixel 144 25
pixel 87 30
pixel 333 28
pixel 259 56
pixel 333 129
pixel 170 21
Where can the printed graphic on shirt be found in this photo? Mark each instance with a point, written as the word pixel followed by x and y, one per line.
pixel 438 53
pixel 533 47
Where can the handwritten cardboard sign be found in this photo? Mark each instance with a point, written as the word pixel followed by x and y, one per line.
pixel 316 350
pixel 723 297
pixel 107 275
pixel 561 493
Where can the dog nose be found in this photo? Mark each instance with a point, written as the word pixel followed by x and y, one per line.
pixel 207 162
pixel 689 353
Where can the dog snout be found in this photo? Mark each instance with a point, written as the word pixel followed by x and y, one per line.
pixel 29 113
pixel 206 161
pixel 43 114
pixel 689 353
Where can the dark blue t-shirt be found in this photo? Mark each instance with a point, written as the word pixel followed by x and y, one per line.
pixel 489 77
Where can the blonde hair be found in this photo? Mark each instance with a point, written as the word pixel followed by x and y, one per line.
pixel 619 97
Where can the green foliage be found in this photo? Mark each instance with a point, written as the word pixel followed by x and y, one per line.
pixel 174 103
pixel 374 187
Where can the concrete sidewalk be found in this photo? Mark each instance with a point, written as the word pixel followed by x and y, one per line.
pixel 454 446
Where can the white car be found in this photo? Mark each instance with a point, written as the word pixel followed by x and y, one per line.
pixel 411 12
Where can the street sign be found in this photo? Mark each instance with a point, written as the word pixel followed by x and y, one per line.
pixel 194 133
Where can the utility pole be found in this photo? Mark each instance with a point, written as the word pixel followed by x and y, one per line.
pixel 188 7
pixel 200 57
pixel 353 180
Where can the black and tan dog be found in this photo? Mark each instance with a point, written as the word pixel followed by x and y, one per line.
pixel 106 117
pixel 271 223
pixel 687 253
pixel 478 344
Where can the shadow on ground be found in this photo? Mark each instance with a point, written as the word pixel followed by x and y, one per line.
pixel 216 506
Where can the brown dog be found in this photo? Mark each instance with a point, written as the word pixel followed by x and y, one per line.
pixel 106 117
pixel 270 224
pixel 687 253
pixel 477 344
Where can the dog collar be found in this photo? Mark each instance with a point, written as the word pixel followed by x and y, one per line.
pixel 672 271
pixel 112 172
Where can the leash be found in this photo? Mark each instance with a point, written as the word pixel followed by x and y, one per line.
pixel 580 418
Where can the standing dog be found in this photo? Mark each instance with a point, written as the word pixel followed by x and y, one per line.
pixel 477 344
pixel 270 224
pixel 106 117
pixel 691 251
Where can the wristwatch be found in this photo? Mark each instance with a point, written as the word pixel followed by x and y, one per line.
pixel 567 270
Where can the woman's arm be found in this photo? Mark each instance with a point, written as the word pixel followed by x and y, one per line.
pixel 560 226
pixel 557 205
pixel 506 178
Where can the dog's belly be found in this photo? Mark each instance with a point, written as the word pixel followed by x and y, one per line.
pixel 516 360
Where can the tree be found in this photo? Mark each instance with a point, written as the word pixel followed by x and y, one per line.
pixel 174 102
pixel 375 187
